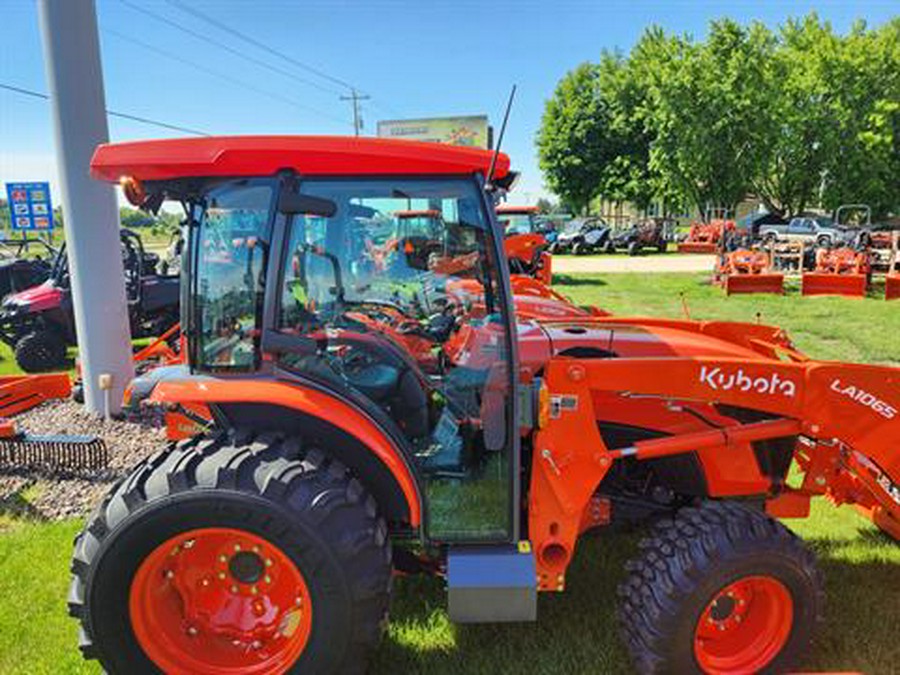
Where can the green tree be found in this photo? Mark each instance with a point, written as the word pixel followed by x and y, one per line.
pixel 572 141
pixel 703 102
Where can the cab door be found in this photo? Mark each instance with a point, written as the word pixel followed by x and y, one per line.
pixel 417 329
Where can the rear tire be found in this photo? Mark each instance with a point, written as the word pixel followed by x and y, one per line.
pixel 302 505
pixel 684 577
pixel 579 248
pixel 634 248
pixel 41 351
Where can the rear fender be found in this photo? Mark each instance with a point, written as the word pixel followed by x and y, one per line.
pixel 345 431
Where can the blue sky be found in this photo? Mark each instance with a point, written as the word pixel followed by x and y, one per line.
pixel 416 59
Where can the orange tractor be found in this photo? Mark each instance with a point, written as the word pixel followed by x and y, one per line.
pixel 839 271
pixel 336 449
pixel 706 237
pixel 525 245
pixel 748 271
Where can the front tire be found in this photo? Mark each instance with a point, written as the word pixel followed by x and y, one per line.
pixel 40 351
pixel 288 536
pixel 720 588
pixel 634 248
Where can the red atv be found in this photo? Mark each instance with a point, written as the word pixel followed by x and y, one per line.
pixel 39 325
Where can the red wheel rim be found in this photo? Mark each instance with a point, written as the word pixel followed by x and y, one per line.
pixel 220 601
pixel 744 626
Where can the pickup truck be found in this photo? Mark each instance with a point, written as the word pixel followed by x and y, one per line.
pixel 803 228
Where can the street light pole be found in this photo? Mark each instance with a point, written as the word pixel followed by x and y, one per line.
pixel 75 78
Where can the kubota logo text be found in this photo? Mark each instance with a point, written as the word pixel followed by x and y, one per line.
pixel 721 380
pixel 863 397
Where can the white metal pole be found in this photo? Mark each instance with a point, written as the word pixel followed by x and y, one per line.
pixel 91 218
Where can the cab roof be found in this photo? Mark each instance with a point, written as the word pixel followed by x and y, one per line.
pixel 512 209
pixel 220 156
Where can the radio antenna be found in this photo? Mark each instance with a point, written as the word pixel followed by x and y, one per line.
pixel 490 176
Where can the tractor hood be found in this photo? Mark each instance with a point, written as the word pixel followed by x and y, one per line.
pixel 541 340
pixel 36 299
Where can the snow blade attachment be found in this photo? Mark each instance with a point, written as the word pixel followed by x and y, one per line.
pixel 821 283
pixel 754 283
pixel 892 287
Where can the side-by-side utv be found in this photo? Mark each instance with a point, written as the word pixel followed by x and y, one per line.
pixel 38 323
pixel 340 423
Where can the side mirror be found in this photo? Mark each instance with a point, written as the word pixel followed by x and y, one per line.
pixel 293 203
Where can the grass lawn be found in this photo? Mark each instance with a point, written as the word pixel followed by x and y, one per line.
pixel 576 630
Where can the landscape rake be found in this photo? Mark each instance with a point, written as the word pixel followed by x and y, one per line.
pixel 56 453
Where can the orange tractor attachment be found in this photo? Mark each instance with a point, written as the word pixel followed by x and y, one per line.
pixel 840 271
pixel 706 237
pixel 748 271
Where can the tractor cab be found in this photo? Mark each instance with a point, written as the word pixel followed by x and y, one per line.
pixel 518 219
pixel 383 290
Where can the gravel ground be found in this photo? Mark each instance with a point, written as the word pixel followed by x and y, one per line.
pixel 55 498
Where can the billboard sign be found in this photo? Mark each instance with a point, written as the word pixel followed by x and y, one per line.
pixel 471 130
pixel 29 206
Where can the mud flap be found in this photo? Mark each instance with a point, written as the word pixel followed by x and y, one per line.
pixel 820 283
pixel 754 283
pixel 492 584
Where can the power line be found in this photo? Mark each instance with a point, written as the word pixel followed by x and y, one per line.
pixel 222 76
pixel 231 50
pixel 111 113
pixel 258 44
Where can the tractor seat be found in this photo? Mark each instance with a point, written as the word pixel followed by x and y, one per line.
pixel 377 381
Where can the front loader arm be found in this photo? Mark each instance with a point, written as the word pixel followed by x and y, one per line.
pixel 847 416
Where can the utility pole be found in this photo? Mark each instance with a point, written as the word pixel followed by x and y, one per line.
pixel 75 79
pixel 356 97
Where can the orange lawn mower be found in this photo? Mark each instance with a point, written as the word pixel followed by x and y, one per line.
pixel 748 271
pixel 329 453
pixel 839 271
pixel 706 237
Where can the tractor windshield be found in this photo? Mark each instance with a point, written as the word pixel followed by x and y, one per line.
pixel 395 298
pixel 517 223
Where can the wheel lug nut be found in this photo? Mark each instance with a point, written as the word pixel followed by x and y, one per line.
pixel 256 644
pixel 223 559
pixel 234 589
pixel 221 575
pixel 237 547
pixel 737 618
pixel 169 574
pixel 268 562
pixel 188 544
pixel 191 631
pixel 256 549
pixel 254 590
pixel 267 579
